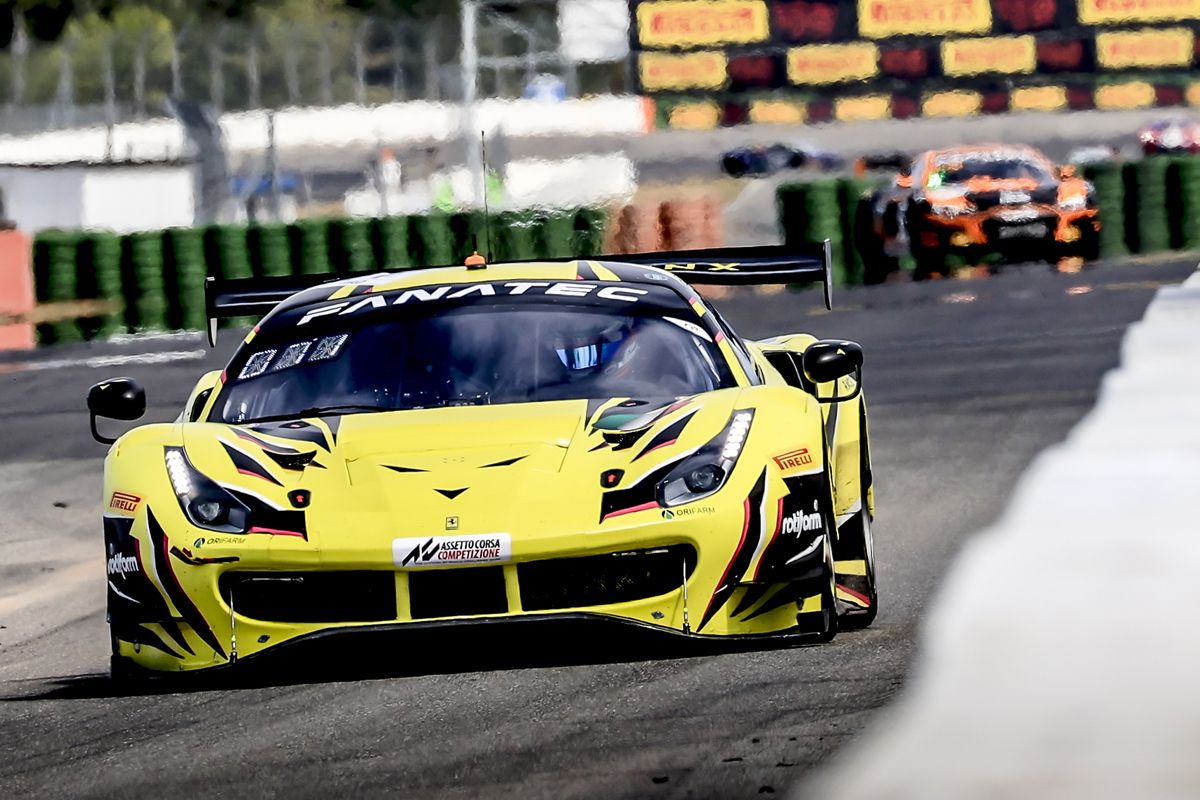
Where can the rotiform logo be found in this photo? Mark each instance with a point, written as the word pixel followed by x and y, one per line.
pixel 121 565
pixel 800 522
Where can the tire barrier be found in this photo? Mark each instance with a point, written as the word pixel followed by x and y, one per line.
pixel 309 243
pixel 1110 200
pixel 813 212
pixel 269 250
pixel 1150 205
pixel 184 272
pixel 55 279
pixel 103 283
pixel 142 279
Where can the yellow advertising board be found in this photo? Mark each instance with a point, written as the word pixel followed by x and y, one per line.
pixel 878 19
pixel 865 108
pixel 1038 98
pixel 701 23
pixel 1116 12
pixel 701 116
pixel 1004 54
pixel 1135 94
pixel 779 112
pixel 1149 47
pixel 671 71
pixel 957 103
pixel 832 63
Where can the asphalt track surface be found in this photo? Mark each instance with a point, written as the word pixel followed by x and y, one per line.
pixel 967 380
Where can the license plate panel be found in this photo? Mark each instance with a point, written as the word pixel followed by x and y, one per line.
pixel 1032 230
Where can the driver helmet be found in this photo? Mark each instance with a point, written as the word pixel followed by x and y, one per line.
pixel 590 351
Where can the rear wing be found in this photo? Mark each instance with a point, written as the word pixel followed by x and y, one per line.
pixel 728 266
pixel 733 266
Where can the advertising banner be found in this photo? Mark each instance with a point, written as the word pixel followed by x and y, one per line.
pixel 674 71
pixel 832 63
pixel 878 19
pixel 1123 12
pixel 1149 47
pixel 701 23
pixel 1003 54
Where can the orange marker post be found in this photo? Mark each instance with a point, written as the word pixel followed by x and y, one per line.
pixel 16 291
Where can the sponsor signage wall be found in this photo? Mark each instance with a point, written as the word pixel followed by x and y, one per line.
pixel 812 60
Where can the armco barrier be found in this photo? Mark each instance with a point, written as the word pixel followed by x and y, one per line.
pixel 155 281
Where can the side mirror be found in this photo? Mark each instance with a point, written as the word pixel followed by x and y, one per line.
pixel 118 398
pixel 828 361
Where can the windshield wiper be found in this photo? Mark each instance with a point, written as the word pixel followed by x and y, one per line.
pixel 316 411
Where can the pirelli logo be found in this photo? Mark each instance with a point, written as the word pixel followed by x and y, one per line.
pixel 794 459
pixel 121 501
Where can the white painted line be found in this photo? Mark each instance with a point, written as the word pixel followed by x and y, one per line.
pixel 143 338
pixel 97 362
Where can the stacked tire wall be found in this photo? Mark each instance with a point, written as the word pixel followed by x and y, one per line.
pixel 1147 206
pixel 155 281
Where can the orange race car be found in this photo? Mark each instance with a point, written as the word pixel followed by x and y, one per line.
pixel 974 201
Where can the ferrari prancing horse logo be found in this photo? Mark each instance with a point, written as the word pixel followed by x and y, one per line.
pixel 451 523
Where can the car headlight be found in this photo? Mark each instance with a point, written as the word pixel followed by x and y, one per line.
pixel 203 501
pixel 1075 202
pixel 705 471
pixel 949 210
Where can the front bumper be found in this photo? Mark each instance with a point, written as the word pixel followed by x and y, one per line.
pixel 239 597
pixel 449 646
pixel 1010 228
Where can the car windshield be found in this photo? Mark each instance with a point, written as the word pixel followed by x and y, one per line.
pixel 999 168
pixel 472 355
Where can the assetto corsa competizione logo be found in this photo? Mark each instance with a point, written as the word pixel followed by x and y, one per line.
pixel 442 551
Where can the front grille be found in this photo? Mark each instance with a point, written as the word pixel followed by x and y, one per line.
pixel 457 592
pixel 600 580
pixel 365 596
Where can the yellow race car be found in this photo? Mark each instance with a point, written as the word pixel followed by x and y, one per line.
pixel 573 440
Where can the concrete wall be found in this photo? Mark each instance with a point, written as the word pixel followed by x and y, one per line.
pixel 43 198
pixel 122 199
pixel 138 198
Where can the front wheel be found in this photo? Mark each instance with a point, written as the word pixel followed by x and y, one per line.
pixel 856 587
pixel 823 625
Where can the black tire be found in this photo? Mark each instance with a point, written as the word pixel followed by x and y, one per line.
pixel 1088 246
pixel 830 620
pixel 125 676
pixel 854 617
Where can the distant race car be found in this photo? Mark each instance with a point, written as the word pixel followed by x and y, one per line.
pixel 769 159
pixel 1170 137
pixel 973 201
pixel 455 446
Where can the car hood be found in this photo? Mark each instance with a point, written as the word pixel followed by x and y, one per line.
pixel 472 469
